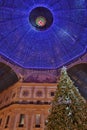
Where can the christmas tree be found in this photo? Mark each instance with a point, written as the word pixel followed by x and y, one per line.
pixel 69 109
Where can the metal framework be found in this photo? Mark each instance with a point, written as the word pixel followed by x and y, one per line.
pixel 64 41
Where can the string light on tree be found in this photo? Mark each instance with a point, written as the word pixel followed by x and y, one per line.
pixel 69 109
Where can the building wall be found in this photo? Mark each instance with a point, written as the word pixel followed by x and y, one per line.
pixel 26 103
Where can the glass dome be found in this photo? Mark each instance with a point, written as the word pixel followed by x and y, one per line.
pixel 53 35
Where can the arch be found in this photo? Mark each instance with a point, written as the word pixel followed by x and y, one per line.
pixel 14 67
pixel 78 74
pixel 7 76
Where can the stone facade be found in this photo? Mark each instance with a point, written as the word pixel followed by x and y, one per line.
pixel 25 106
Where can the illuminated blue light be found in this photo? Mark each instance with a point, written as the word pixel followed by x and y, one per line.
pixel 62 42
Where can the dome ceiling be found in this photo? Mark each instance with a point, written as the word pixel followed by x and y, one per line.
pixel 43 33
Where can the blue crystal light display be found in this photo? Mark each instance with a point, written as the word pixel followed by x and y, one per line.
pixel 60 43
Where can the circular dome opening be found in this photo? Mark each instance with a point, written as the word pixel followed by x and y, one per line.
pixel 41 21
pixel 41 18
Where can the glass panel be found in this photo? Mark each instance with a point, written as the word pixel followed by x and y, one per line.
pixel 38 119
pixel 21 122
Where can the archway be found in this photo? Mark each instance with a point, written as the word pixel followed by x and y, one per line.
pixel 7 76
pixel 78 74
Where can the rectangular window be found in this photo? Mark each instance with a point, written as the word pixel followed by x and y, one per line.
pixel 0 121
pixel 37 121
pixel 7 121
pixel 52 93
pixel 21 121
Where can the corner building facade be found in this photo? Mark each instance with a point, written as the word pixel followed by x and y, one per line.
pixel 25 106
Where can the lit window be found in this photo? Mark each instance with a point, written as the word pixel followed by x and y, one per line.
pixel 21 122
pixel 37 122
pixel 7 121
